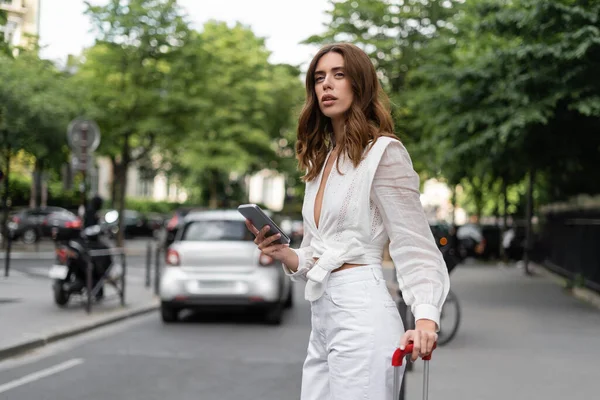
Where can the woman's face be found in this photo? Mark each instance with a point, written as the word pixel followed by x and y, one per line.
pixel 332 87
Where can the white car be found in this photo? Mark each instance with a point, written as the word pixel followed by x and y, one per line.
pixel 214 263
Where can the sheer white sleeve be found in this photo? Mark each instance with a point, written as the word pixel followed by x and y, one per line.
pixel 420 267
pixel 305 258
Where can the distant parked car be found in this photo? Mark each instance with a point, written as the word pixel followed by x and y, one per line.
pixel 62 225
pixel 214 263
pixel 27 224
pixel 136 224
pixel 473 242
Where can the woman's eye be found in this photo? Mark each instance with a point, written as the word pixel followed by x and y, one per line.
pixel 339 75
pixel 318 79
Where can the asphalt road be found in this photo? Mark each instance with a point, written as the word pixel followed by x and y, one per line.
pixel 520 339
pixel 204 357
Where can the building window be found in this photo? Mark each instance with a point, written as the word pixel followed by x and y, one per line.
pixel 145 188
pixel 9 30
pixel 6 1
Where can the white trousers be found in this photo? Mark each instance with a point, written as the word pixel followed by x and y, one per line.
pixel 355 329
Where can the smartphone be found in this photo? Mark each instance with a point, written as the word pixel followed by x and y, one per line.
pixel 259 219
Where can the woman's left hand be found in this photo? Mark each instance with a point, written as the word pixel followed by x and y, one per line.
pixel 423 337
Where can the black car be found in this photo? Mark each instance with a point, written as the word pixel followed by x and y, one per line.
pixel 27 224
pixel 135 223
pixel 62 225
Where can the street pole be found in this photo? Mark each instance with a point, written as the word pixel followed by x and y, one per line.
pixel 7 254
pixel 148 262
pixel 84 147
pixel 528 226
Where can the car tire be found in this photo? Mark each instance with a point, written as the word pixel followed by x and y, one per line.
pixel 289 302
pixel 168 313
pixel 274 314
pixel 29 236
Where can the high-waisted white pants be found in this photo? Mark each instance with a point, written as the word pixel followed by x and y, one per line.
pixel 355 330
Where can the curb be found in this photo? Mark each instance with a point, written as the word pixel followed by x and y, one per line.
pixel 582 294
pixel 35 343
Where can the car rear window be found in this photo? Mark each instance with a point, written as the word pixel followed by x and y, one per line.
pixel 216 230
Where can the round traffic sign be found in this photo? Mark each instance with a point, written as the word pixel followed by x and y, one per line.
pixel 78 130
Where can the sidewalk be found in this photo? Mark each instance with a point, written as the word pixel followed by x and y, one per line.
pixel 44 249
pixel 520 338
pixel 29 318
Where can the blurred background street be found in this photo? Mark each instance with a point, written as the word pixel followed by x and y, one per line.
pixel 131 130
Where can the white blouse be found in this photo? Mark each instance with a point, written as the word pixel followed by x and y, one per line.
pixel 361 209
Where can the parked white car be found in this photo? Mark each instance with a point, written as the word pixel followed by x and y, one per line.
pixel 214 263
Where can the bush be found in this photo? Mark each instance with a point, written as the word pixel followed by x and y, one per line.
pixel 151 206
pixel 19 190
pixel 58 197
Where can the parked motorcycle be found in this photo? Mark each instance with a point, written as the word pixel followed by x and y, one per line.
pixel 70 272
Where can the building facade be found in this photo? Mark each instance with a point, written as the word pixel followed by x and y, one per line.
pixel 23 22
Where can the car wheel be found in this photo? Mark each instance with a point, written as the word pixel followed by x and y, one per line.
pixel 30 236
pixel 168 313
pixel 274 314
pixel 289 302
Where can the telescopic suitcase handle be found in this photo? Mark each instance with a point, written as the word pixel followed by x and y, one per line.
pixel 397 359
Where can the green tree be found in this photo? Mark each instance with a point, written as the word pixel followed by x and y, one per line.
pixel 34 112
pixel 128 82
pixel 520 88
pixel 244 106
pixel 520 75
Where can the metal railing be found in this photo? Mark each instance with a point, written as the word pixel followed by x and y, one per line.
pixel 567 243
pixel 118 281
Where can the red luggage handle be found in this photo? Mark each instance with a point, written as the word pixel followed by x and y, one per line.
pixel 400 354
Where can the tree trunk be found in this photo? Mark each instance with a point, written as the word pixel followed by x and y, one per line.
pixel 504 205
pixel 5 197
pixel 213 201
pixel 33 189
pixel 114 183
pixel 528 217
pixel 478 197
pixel 504 220
pixel 454 205
pixel 44 194
pixel 36 185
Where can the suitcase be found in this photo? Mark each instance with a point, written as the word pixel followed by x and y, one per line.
pixel 397 359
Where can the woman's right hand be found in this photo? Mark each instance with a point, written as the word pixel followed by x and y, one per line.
pixel 280 252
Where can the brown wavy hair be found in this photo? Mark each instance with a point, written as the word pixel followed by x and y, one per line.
pixel 367 119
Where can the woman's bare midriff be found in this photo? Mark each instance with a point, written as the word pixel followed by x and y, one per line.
pixel 344 266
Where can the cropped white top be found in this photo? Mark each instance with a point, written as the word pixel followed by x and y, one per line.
pixel 361 209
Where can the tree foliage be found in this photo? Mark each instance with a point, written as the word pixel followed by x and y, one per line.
pixel 488 92
pixel 242 107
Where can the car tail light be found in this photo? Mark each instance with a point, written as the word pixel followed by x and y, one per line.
pixel 265 260
pixel 73 224
pixel 173 258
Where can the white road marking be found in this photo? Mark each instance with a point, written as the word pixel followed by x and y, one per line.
pixel 40 374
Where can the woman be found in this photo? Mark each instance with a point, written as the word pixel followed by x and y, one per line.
pixel 361 190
